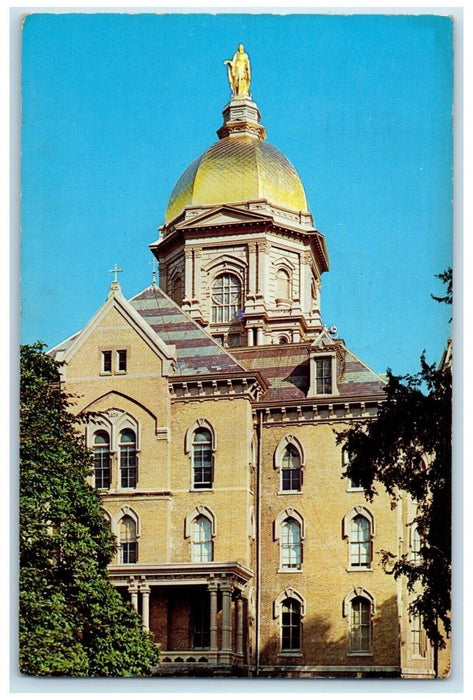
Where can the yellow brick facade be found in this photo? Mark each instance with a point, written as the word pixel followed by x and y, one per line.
pixel 213 421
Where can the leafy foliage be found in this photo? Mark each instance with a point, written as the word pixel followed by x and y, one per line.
pixel 73 622
pixel 408 448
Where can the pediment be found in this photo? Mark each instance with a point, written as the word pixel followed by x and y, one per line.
pixel 324 341
pixel 222 216
pixel 129 318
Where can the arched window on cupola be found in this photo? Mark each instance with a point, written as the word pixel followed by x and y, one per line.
pixel 283 285
pixel 226 298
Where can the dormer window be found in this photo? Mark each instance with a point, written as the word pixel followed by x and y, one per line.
pixel 323 375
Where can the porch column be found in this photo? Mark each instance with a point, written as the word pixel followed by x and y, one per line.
pixel 212 587
pixel 133 591
pixel 145 590
pixel 226 616
pixel 239 621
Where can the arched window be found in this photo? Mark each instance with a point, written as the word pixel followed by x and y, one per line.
pixel 102 460
pixel 290 469
pixel 290 544
pixel 202 539
pixel 360 625
pixel 177 289
pixel 128 459
pixel 283 284
pixel 360 542
pixel 290 625
pixel 226 298
pixel 202 459
pixel 415 545
pixel 358 527
pixel 128 543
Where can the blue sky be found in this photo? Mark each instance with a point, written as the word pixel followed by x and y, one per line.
pixel 114 107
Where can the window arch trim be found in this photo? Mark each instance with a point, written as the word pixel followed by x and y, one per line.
pixel 288 593
pixel 358 592
pixel 113 422
pixel 121 513
pixel 280 449
pixel 200 423
pixel 199 510
pixel 358 510
pixel 288 514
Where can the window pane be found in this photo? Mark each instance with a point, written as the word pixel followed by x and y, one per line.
pixel 290 472
pixel 226 298
pixel 323 374
pixel 290 545
pixel 360 542
pixel 290 625
pixel 360 631
pixel 201 540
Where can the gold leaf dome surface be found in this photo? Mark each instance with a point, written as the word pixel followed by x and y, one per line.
pixel 238 169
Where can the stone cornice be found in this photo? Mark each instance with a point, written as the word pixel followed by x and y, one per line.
pixel 334 409
pixel 227 386
pixel 173 573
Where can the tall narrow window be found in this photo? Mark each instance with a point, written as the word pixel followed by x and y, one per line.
pixel 121 360
pixel 291 546
pixel 283 285
pixel 417 636
pixel 360 625
pixel 128 544
pixel 415 545
pixel 128 459
pixel 202 540
pixel 323 375
pixel 177 289
pixel 360 542
pixel 202 458
pixel 226 298
pixel 102 460
pixel 106 361
pixel 290 469
pixel 290 625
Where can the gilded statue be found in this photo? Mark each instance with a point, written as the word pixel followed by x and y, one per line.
pixel 239 74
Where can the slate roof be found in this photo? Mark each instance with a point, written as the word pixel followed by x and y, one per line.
pixel 285 368
pixel 197 351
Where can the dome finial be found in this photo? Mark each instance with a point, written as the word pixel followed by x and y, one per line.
pixel 239 73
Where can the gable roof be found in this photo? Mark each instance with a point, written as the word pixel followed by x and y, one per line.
pixel 286 370
pixel 197 352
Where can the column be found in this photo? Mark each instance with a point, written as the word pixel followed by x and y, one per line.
pixel 261 266
pixel 259 336
pixel 133 591
pixel 197 273
pixel 252 281
pixel 212 587
pixel 249 337
pixel 188 275
pixel 226 616
pixel 145 591
pixel 239 621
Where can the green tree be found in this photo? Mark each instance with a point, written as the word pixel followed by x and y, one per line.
pixel 408 448
pixel 72 622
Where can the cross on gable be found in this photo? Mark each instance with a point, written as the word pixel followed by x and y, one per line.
pixel 115 271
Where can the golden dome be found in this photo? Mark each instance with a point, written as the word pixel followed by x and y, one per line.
pixel 235 169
